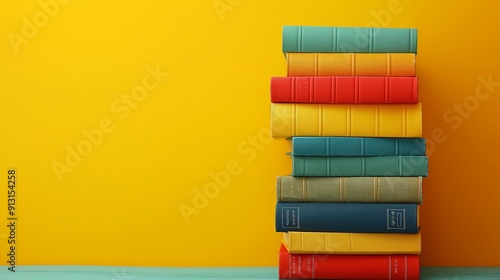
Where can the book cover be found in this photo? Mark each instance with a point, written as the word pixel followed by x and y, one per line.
pixel 363 120
pixel 298 242
pixel 360 166
pixel 351 64
pixel 347 217
pixel 337 266
pixel 349 189
pixel 344 89
pixel 321 39
pixel 356 146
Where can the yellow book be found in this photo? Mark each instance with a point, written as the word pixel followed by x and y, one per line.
pixel 351 64
pixel 365 120
pixel 351 243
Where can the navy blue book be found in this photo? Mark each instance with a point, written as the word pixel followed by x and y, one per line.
pixel 347 217
pixel 403 166
pixel 357 146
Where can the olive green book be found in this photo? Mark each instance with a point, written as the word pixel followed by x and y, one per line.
pixel 349 189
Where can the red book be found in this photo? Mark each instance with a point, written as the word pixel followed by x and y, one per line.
pixel 339 266
pixel 344 89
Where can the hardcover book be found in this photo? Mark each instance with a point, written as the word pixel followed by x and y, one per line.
pixel 349 189
pixel 344 89
pixel 356 146
pixel 298 242
pixel 338 266
pixel 351 64
pixel 406 166
pixel 363 120
pixel 325 39
pixel 347 217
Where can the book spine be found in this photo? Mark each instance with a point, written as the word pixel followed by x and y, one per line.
pixel 349 189
pixel 351 64
pixel 344 90
pixel 407 166
pixel 357 146
pixel 333 266
pixel 320 39
pixel 363 120
pixel 347 217
pixel 351 243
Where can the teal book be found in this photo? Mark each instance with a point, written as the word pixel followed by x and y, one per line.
pixel 331 39
pixel 360 166
pixel 356 146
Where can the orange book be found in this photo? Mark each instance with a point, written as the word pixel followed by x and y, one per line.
pixel 351 64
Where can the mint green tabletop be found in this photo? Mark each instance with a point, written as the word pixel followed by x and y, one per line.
pixel 261 273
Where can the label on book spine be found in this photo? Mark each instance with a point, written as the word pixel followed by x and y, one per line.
pixel 290 217
pixel 396 219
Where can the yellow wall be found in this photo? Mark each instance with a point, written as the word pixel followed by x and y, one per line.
pixel 165 100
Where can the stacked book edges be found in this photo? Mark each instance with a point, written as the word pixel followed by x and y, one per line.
pixel 349 109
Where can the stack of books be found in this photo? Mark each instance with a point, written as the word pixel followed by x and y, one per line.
pixel 349 109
